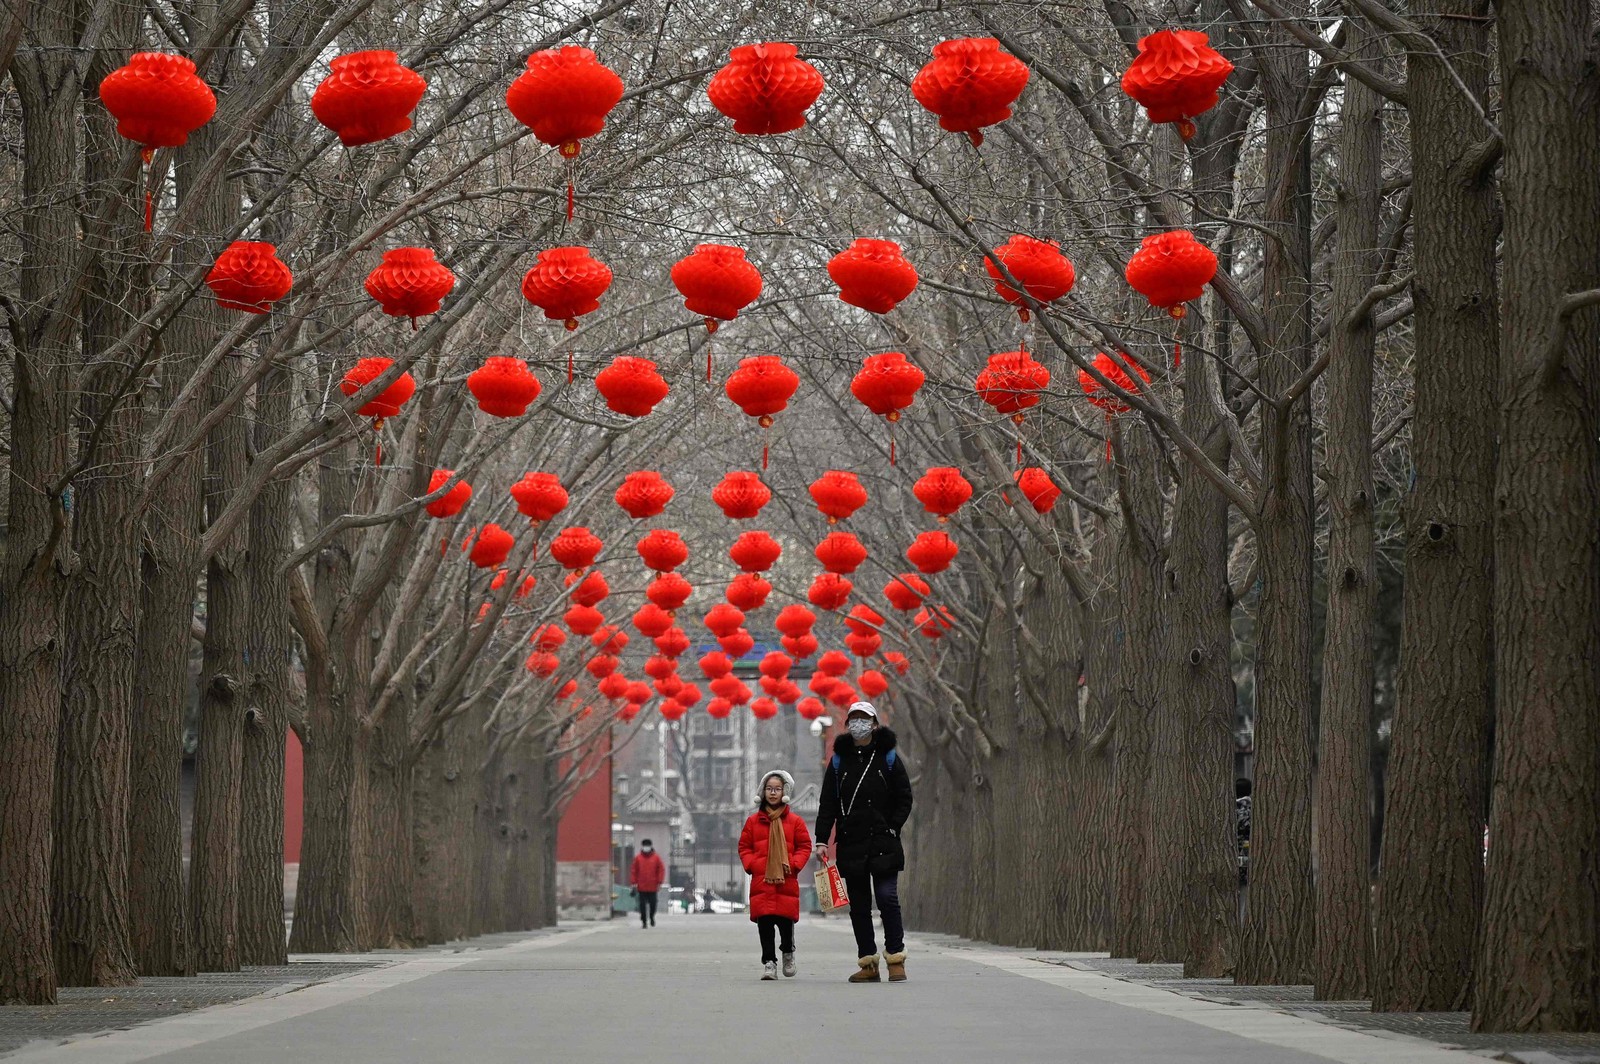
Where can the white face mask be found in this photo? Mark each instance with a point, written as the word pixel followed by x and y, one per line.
pixel 647 849
pixel 860 728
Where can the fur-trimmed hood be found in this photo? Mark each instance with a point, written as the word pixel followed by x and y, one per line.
pixel 883 740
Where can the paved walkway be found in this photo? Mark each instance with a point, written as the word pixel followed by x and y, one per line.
pixel 687 991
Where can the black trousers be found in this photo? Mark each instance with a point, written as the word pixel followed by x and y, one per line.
pixel 765 926
pixel 863 889
pixel 647 908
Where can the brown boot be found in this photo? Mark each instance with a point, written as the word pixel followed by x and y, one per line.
pixel 867 971
pixel 897 966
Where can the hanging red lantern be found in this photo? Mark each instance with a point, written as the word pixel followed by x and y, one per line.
pixel 935 622
pixel 765 89
pixel 591 589
pixel 787 692
pixel 1037 487
pixel 643 494
pixel 539 496
pixel 737 643
pixel 688 695
pixel 714 664
pixel 385 404
pixel 541 664
pixel 821 683
pixel 942 491
pixel 668 686
pixel 873 683
pixel 716 282
pixel 763 709
pixel 794 620
pixel 491 546
pixel 548 637
pixel 932 552
pixel 566 283
pixel 157 100
pixel 747 591
pixel 843 695
pixel 761 387
pixel 583 620
pixel 838 494
pixel 631 385
pixel 776 665
pixel 833 663
pixel 841 552
pixel 451 502
pixel 863 646
pixel 725 686
pixel 575 548
pixel 673 642
pixel 368 97
pixel 886 384
pixel 741 495
pixel 719 708
pixel 503 386
pixel 638 693
pixel 663 550
pixel 249 276
pixel 1170 269
pixel 1038 265
pixel 567 690
pixel 755 552
pixel 659 666
pixel 651 620
pixel 873 275
pixel 829 591
pixel 610 640
pixel 601 666
pixel 669 591
pixel 906 591
pixel 614 686
pixel 673 710
pixel 1113 370
pixel 564 97
pixel 1011 382
pixel 526 589
pixel 1175 77
pixel 863 620
pixel 771 686
pixel 809 709
pixel 901 664
pixel 410 283
pixel 722 619
pixel 801 646
pixel 970 84
pixel 499 580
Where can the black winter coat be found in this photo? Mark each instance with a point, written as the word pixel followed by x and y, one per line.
pixel 869 834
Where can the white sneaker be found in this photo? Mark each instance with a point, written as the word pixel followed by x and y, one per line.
pixel 788 965
pixel 769 970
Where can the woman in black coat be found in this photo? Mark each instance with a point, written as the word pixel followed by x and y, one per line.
pixel 866 796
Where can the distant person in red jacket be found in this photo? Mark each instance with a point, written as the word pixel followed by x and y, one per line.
pixel 647 875
pixel 773 846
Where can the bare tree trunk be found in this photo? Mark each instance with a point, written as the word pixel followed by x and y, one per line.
pixel 1344 748
pixel 1539 962
pixel 1430 888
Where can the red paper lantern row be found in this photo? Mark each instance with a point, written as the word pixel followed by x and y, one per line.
pixel 737 643
pixel 539 496
pixel 651 620
pixel 575 548
pixel 942 491
pixel 715 664
pixel 1038 265
pixel 761 387
pixel 873 275
pixel 794 620
pixel 838 494
pixel 776 665
pixel 970 84
pixel 157 100
pixel 873 683
pixel 644 493
pixel 663 550
pixel 673 642
pixel 906 591
pixel 503 386
pixel 1176 76
pixel 410 282
pixel 932 552
pixel 841 552
pixel 451 502
pixel 741 495
pixel 582 620
pixel 716 282
pixel 829 591
pixel 669 591
pixel 631 386
pixel 548 637
pixel 368 97
pixel 1114 370
pixel 748 592
pixel 590 590
pixel 491 546
pixel 755 552
pixel 765 89
pixel 1170 269
pixel 566 283
pixel 249 276
pixel 722 619
pixel 385 404
pixel 801 646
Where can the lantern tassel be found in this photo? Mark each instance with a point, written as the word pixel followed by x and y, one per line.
pixel 710 330
pixel 146 154
pixel 891 443
pixel 571 168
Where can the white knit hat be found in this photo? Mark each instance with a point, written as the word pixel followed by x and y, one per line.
pixel 863 707
pixel 788 785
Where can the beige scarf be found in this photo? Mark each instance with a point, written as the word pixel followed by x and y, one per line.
pixel 777 846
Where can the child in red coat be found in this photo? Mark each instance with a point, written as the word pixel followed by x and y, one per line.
pixel 773 846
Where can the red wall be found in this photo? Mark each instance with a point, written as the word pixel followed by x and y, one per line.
pixel 584 833
pixel 293 789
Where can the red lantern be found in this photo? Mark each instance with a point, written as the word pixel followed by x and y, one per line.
pixel 567 689
pixel 887 384
pixel 741 495
pixel 541 664
pixel 548 637
pixel 906 591
pixel 651 620
pixel 451 502
pixel 638 693
pixel 673 642
pixel 564 96
pixel 610 640
pixel 1038 265
pixel 410 282
pixel 688 694
pixel 899 661
pixel 873 275
pixel 719 708
pixel 821 683
pixel 714 664
pixel 157 100
pixel 368 97
pixel 776 665
pixel 669 591
pixel 863 646
pixel 631 385
pixel 932 552
pixel 843 695
pixel 841 552
pixel 1011 382
pixel 668 687
pixel 491 547
pixel 838 494
pixel 503 387
pixel 539 496
pixel 727 686
pixel 583 620
pixel 794 620
pixel 1170 269
pixel 614 686
pixel 801 646
pixel 970 84
pixel 764 709
pixel 575 548
pixel 673 710
pixel 663 550
pixel 716 282
pixel 386 403
pixel 526 589
pixel 1112 369
pixel 1176 77
pixel 747 591
pixel 601 666
pixel 936 622
pixel 659 667
pixel 873 683
pixel 643 494
pixel 765 89
pixel 829 591
pixel 591 590
pixel 833 663
pixel 864 620
pixel 755 552
pixel 771 686
pixel 722 619
pixel 809 708
pixel 248 276
pixel 942 491
pixel 761 387
pixel 566 283
pixel 737 643
pixel 787 692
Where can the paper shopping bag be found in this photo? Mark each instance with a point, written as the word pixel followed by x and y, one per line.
pixel 831 894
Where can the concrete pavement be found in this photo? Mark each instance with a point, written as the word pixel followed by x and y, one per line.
pixel 688 991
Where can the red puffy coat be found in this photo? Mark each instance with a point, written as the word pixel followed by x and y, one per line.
pixel 774 899
pixel 648 872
